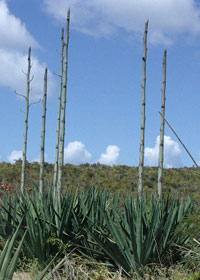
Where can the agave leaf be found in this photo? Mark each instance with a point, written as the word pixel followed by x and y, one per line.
pixel 12 265
pixel 139 228
pixel 45 270
pixel 111 250
pixel 6 255
pixel 3 253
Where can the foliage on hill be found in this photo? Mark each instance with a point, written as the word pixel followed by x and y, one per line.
pixel 181 181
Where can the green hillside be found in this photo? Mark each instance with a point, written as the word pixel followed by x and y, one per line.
pixel 181 181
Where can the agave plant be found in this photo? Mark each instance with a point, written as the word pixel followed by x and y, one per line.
pixel 9 215
pixel 40 221
pixel 92 224
pixel 89 214
pixel 142 234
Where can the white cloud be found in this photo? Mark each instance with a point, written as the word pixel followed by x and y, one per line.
pixel 15 155
pixel 172 153
pixel 14 44
pixel 105 17
pixel 76 153
pixel 11 65
pixel 13 32
pixel 111 156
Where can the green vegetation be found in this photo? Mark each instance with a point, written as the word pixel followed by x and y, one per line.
pixel 7 261
pixel 180 181
pixel 100 227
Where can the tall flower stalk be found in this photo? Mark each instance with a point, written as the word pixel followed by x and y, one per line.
pixel 63 110
pixel 142 137
pixel 55 177
pixel 41 188
pixel 162 128
pixel 28 81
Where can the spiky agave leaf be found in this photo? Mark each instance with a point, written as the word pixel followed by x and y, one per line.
pixel 7 261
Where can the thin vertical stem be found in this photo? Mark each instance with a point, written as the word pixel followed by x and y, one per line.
pixel 162 127
pixel 55 178
pixel 41 190
pixel 23 173
pixel 142 138
pixel 64 100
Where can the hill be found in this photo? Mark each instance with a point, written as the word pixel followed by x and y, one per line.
pixel 181 181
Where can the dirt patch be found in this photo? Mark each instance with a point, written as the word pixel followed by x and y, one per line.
pixel 21 276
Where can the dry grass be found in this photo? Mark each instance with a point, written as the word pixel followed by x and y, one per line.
pixel 80 273
pixel 77 268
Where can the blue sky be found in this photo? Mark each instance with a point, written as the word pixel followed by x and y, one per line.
pixel 104 78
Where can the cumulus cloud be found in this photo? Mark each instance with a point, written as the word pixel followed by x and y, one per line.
pixel 11 65
pixel 76 153
pixel 13 33
pixel 172 153
pixel 15 155
pixel 111 156
pixel 104 18
pixel 14 43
